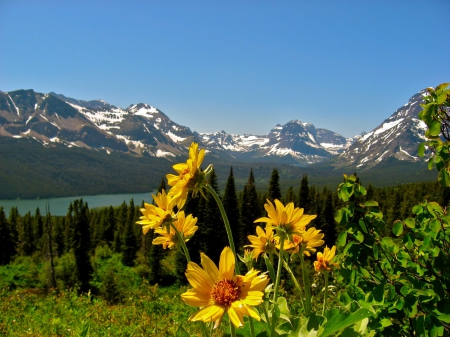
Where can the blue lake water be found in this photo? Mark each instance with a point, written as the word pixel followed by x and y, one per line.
pixel 59 206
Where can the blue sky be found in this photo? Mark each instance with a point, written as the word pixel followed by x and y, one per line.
pixel 239 66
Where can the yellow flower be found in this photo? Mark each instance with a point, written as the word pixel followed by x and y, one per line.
pixel 185 226
pixel 307 242
pixel 287 218
pixel 189 175
pixel 262 243
pixel 323 262
pixel 153 216
pixel 219 291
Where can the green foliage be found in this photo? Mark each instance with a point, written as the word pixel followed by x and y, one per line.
pixel 404 278
pixel 113 280
pixel 435 114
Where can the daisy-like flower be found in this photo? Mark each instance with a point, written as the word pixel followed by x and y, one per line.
pixel 323 262
pixel 185 226
pixel 286 218
pixel 307 242
pixel 189 175
pixel 219 291
pixel 153 216
pixel 262 242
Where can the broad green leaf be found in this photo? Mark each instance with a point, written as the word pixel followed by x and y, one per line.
pixel 375 251
pixel 421 150
pixel 435 225
pixel 269 268
pixel 359 236
pixel 371 203
pixel 337 320
pixel 434 129
pixel 397 229
pixel 410 222
pixel 441 98
pixel 342 239
pixel 441 87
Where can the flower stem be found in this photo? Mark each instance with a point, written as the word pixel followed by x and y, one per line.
pixel 297 286
pixel 226 222
pixel 232 329
pixel 277 284
pixel 181 241
pixel 307 286
pixel 325 298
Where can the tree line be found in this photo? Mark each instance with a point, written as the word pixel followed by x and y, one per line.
pixel 68 245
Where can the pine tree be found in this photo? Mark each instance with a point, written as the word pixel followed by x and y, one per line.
pixel 81 242
pixel 38 229
pixel 25 245
pixel 48 229
pixel 7 250
pixel 290 196
pixel 231 206
pixel 250 209
pixel 327 222
pixel 129 242
pixel 120 225
pixel 303 196
pixel 274 186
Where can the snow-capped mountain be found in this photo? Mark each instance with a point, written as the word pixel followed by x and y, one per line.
pixel 142 129
pixel 145 130
pixel 398 136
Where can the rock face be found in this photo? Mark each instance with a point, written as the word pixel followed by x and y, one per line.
pixel 398 136
pixel 142 129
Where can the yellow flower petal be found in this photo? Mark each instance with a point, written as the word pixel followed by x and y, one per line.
pixel 198 278
pixel 196 298
pixel 226 264
pixel 208 314
pixel 210 267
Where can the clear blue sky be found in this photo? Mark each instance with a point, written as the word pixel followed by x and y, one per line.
pixel 239 66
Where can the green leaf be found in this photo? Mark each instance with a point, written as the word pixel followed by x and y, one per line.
pixel 441 98
pixel 435 225
pixel 434 129
pixel 342 239
pixel 375 251
pixel 410 222
pixel 444 177
pixel 371 203
pixel 269 268
pixel 359 236
pixel 397 229
pixel 337 320
pixel 421 150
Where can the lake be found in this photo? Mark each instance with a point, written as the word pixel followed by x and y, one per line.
pixel 59 206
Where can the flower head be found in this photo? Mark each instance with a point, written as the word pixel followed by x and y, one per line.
pixel 219 291
pixel 323 262
pixel 262 242
pixel 285 218
pixel 189 175
pixel 153 216
pixel 185 226
pixel 306 241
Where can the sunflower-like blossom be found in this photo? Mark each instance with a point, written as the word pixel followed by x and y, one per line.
pixel 287 218
pixel 189 175
pixel 218 290
pixel 307 242
pixel 186 226
pixel 153 216
pixel 262 242
pixel 323 262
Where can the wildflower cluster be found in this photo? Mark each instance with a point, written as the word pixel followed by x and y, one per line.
pixel 220 290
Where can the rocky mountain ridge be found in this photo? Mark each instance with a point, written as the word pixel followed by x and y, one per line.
pixel 142 129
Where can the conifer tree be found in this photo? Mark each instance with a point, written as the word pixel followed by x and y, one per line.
pixel 59 236
pixel 129 242
pixel 274 186
pixel 81 242
pixel 231 206
pixel 48 229
pixel 250 209
pixel 122 216
pixel 290 196
pixel 303 196
pixel 38 229
pixel 13 220
pixel 214 234
pixel 25 245
pixel 326 220
pixel 7 250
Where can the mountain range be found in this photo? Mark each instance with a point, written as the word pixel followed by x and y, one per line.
pixel 144 130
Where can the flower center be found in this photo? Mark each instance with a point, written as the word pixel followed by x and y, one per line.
pixel 225 292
